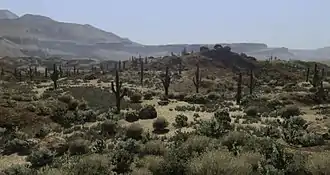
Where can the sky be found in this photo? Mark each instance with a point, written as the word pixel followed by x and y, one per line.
pixel 302 24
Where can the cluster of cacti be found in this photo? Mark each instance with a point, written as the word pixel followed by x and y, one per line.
pixel 141 71
pixel 117 90
pixel 239 89
pixel 166 80
pixel 197 79
pixel 55 76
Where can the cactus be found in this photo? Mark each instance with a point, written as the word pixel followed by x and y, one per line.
pixel 197 79
pixel 119 66
pixel 15 72
pixel 55 76
pixel 180 67
pixel 124 65
pixel 61 71
pixel 166 80
pixel 307 74
pixel 35 71
pixel 101 67
pixel 30 73
pixel 116 89
pixel 316 76
pixel 20 75
pixel 116 66
pixel 141 71
pixel 74 70
pixel 46 72
pixel 146 60
pixel 239 89
pixel 67 72
pixel 322 74
pixel 251 82
pixel 2 73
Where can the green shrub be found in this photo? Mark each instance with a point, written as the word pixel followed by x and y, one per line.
pixel 40 158
pixel 122 160
pixel 196 99
pixel 181 121
pixel 148 112
pixel 109 127
pixel 154 147
pixel 65 98
pixel 92 165
pixel 251 111
pixel 148 96
pixel 290 111
pixel 160 124
pixel 16 145
pixel 79 146
pixel 134 131
pixel 131 116
pixel 19 170
pixel 136 97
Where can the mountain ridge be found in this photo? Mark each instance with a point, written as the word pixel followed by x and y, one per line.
pixel 37 35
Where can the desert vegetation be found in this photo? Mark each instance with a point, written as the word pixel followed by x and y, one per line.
pixel 205 113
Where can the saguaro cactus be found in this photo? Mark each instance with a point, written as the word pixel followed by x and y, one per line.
pixel 46 72
pixel 74 70
pixel 146 60
pixel 251 82
pixel 180 67
pixel 197 79
pixel 55 76
pixel 15 72
pixel 2 73
pixel 141 71
pixel 35 71
pixel 30 73
pixel 116 89
pixel 239 89
pixel 119 66
pixel 20 75
pixel 166 80
pixel 124 65
pixel 61 71
pixel 316 76
pixel 307 74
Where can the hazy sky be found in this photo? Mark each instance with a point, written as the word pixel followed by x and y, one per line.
pixel 287 23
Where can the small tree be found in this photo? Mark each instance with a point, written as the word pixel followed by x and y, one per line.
pixel 166 80
pixel 197 79
pixel 116 89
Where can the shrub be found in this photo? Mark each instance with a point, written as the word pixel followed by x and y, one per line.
pixel 131 116
pixel 198 144
pixel 160 124
pixel 154 147
pixel 136 97
pixel 122 160
pixel 134 131
pixel 40 158
pixel 181 121
pixel 16 145
pixel 109 127
pixel 92 165
pixel 18 170
pixel 222 162
pixel 213 96
pixel 290 111
pixel 196 99
pixel 73 104
pixel 65 98
pixel 79 146
pixel 234 140
pixel 148 96
pixel 148 112
pixel 251 111
pixel 43 132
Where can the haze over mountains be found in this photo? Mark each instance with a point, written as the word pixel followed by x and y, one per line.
pixel 35 35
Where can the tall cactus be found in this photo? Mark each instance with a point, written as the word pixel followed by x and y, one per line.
pixel 30 73
pixel 35 71
pixel 197 79
pixel 251 82
pixel 61 71
pixel 55 76
pixel 166 80
pixel 74 70
pixel 146 60
pixel 119 66
pixel 15 73
pixel 316 76
pixel 239 89
pixel 307 74
pixel 20 75
pixel 116 89
pixel 2 73
pixel 180 67
pixel 141 71
pixel 322 74
pixel 46 72
pixel 124 65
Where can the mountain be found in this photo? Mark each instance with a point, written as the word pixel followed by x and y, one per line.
pixel 35 35
pixel 6 14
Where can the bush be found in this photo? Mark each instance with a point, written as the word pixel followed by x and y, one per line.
pixel 109 127
pixel 213 96
pixel 196 99
pixel 181 121
pixel 122 160
pixel 251 111
pixel 92 165
pixel 134 131
pixel 40 158
pixel 136 97
pixel 43 132
pixel 196 145
pixel 148 112
pixel 160 124
pixel 222 162
pixel 154 147
pixel 148 96
pixel 65 98
pixel 79 146
pixel 18 170
pixel 290 111
pixel 234 140
pixel 131 116
pixel 73 104
pixel 21 147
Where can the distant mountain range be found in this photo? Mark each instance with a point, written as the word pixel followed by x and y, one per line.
pixel 35 35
